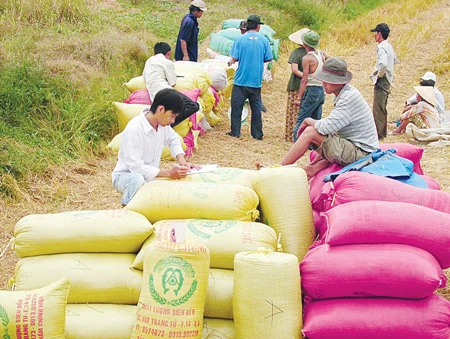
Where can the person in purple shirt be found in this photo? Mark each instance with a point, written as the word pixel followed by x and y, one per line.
pixel 187 41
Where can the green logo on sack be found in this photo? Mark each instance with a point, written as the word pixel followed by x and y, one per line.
pixel 207 228
pixel 170 277
pixel 5 322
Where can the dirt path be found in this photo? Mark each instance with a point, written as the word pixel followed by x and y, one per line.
pixel 87 186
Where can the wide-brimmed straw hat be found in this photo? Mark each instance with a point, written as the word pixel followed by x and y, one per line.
pixel 427 94
pixel 297 36
pixel 334 71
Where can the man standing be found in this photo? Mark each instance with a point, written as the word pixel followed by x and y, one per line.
pixel 187 41
pixel 159 73
pixel 251 50
pixel 311 94
pixel 142 143
pixel 293 87
pixel 382 77
pixel 347 134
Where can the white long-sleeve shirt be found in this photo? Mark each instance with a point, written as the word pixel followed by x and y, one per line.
pixel 386 59
pixel 142 146
pixel 159 73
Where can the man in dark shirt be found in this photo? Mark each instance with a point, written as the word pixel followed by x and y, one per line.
pixel 187 41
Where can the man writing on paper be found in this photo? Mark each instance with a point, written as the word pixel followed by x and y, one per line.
pixel 143 140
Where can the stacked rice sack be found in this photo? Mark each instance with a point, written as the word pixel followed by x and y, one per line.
pixel 219 209
pixel 208 78
pixel 94 250
pixel 380 259
pixel 322 194
pixel 222 41
pixel 220 216
pixel 128 278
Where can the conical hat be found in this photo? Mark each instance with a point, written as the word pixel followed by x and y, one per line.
pixel 427 93
pixel 297 36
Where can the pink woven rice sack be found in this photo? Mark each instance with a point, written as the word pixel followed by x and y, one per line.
pixel 356 186
pixel 316 183
pixel 319 224
pixel 373 222
pixel 139 96
pixel 432 183
pixel 375 318
pixel 370 270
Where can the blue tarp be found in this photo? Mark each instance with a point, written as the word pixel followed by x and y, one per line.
pixel 386 164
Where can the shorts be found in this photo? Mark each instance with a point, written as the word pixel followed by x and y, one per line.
pixel 340 151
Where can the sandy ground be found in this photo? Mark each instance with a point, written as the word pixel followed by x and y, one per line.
pixel 87 186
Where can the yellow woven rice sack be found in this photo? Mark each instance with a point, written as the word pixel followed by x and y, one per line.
pixel 196 134
pixel 175 199
pixel 114 144
pixel 267 299
pixel 224 238
pixel 209 100
pixel 172 299
pixel 227 91
pixel 212 118
pixel 224 175
pixel 135 83
pixel 220 105
pixel 186 83
pixel 218 329
pixel 286 207
pixel 95 321
pixel 126 112
pixel 120 231
pixel 38 313
pixel 94 277
pixel 187 70
pixel 219 296
pixel 183 127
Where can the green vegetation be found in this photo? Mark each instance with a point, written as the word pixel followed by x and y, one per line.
pixel 62 63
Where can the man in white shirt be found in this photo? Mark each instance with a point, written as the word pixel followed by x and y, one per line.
pixel 382 77
pixel 159 73
pixel 143 140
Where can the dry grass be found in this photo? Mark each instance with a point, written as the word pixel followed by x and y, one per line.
pixel 88 186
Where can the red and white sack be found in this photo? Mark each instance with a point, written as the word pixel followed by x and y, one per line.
pixel 374 222
pixel 357 186
pixel 370 270
pixel 375 318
